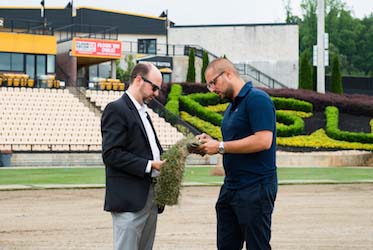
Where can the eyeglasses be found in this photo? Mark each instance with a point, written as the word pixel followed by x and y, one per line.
pixel 154 86
pixel 213 81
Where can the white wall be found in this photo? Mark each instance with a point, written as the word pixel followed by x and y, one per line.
pixel 273 49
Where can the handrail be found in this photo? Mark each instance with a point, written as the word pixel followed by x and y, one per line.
pixel 19 25
pixel 158 108
pixel 248 70
pixel 131 47
pixel 68 32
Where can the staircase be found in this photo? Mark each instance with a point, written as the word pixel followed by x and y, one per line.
pixel 247 72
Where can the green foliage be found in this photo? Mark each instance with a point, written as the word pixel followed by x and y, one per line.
pixel 333 131
pixel 130 65
pixel 191 74
pixel 292 104
pixel 206 98
pixel 351 37
pixel 207 127
pixel 205 62
pixel 173 103
pixel 305 72
pixel 301 114
pixel 371 126
pixel 336 79
pixel 120 71
pixel 290 125
pixel 173 98
pixel 219 108
pixel 196 109
pixel 319 139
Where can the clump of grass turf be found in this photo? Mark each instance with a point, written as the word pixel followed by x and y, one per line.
pixel 167 188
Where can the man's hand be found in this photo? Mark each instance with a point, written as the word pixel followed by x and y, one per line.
pixel 210 146
pixel 157 164
pixel 203 137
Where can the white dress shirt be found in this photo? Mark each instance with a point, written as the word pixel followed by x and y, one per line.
pixel 150 133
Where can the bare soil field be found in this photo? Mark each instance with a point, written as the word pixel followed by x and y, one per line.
pixel 305 217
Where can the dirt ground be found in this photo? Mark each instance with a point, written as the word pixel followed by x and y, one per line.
pixel 306 217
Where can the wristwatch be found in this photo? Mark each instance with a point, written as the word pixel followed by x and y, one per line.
pixel 221 148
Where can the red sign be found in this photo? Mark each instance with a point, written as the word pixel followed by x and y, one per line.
pixel 97 48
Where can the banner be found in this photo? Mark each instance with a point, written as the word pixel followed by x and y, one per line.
pixel 96 48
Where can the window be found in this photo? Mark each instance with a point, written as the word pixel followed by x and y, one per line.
pixel 40 65
pixel 30 66
pixel 11 61
pixel 51 64
pixel 16 62
pixel 147 46
pixel 4 61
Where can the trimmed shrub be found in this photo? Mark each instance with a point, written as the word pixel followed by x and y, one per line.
pixel 173 99
pixel 194 108
pixel 291 124
pixel 305 72
pixel 205 62
pixel 333 131
pixel 336 79
pixel 207 127
pixel 191 74
pixel 292 104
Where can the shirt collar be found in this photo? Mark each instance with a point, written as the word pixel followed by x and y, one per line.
pixel 245 90
pixel 139 107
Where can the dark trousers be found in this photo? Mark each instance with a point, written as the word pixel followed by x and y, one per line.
pixel 245 215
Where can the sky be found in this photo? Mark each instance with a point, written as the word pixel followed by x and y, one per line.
pixel 199 12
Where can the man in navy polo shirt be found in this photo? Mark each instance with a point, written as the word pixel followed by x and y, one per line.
pixel 246 200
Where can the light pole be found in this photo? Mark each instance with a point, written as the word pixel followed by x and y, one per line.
pixel 165 14
pixel 320 46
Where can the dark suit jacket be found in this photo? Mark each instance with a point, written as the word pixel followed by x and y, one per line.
pixel 125 152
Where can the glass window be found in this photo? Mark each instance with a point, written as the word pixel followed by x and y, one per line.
pixel 16 62
pixel 51 64
pixel 93 73
pixel 104 70
pixel 30 66
pixel 147 46
pixel 40 65
pixel 4 61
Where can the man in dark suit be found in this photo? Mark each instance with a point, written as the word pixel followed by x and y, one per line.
pixel 131 154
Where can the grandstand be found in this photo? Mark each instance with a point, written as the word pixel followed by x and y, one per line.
pixel 56 120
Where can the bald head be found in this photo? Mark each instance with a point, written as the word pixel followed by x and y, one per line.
pixel 144 69
pixel 220 65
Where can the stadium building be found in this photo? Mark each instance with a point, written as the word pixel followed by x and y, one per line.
pixel 58 70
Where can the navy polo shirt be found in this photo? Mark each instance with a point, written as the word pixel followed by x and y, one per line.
pixel 251 111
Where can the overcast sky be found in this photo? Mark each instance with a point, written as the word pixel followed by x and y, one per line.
pixel 200 11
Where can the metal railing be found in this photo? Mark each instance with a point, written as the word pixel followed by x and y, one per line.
pixel 266 80
pixel 68 32
pixel 131 47
pixel 19 25
pixel 186 129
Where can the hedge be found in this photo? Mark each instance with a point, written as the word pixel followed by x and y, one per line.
pixel 333 131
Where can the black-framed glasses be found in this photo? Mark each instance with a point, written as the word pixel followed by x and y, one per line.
pixel 154 86
pixel 213 81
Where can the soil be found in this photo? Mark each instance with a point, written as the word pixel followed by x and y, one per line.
pixel 305 217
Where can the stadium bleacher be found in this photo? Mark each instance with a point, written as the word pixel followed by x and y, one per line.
pixel 44 119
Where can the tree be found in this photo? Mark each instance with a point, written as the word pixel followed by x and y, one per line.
pixel 348 36
pixel 205 62
pixel 191 74
pixel 305 72
pixel 290 18
pixel 336 79
pixel 130 65
pixel 120 71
